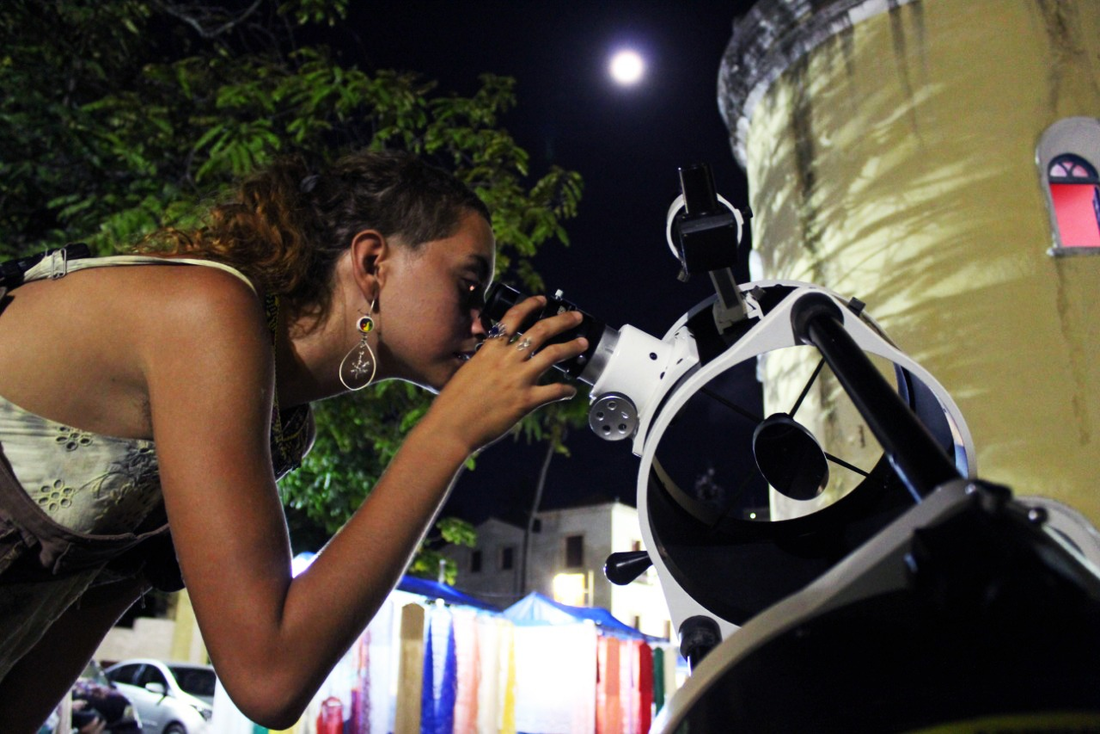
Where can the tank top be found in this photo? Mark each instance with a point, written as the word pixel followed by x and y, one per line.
pixel 98 485
pixel 79 509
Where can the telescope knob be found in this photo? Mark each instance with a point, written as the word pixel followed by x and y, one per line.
pixel 698 636
pixel 622 568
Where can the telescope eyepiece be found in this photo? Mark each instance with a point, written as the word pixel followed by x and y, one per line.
pixel 500 298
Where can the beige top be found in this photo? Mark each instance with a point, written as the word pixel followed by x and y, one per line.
pixel 83 481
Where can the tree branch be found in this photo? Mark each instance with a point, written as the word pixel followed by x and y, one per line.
pixel 189 15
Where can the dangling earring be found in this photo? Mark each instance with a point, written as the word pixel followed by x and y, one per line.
pixel 363 364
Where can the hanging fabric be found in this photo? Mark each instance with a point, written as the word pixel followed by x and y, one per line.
pixel 383 662
pixel 428 690
pixel 508 707
pixel 490 693
pixel 556 678
pixel 659 677
pixel 467 662
pixel 448 685
pixel 359 723
pixel 438 696
pixel 609 716
pixel 601 685
pixel 628 684
pixel 645 686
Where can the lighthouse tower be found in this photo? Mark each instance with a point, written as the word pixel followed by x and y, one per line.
pixel 938 159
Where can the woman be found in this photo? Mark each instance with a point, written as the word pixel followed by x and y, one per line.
pixel 374 268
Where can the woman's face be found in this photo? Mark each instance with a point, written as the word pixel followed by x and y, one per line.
pixel 429 302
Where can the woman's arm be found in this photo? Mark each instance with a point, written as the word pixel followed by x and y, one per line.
pixel 272 638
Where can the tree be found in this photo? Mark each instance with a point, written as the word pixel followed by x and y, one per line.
pixel 552 431
pixel 151 107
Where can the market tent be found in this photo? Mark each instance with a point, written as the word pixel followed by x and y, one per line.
pixel 413 585
pixel 449 594
pixel 428 661
pixel 535 609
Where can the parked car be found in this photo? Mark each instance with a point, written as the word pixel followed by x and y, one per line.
pixel 95 696
pixel 172 698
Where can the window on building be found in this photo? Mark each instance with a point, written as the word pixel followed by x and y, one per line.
pixel 475 562
pixel 1068 156
pixel 507 558
pixel 571 589
pixel 574 551
pixel 1075 194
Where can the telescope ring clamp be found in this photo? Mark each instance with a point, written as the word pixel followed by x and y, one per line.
pixel 672 521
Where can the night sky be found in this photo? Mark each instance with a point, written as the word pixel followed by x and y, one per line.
pixel 627 143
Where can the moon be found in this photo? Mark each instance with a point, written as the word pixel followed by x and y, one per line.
pixel 627 67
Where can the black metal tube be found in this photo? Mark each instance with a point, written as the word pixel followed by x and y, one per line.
pixel 697 185
pixel 920 462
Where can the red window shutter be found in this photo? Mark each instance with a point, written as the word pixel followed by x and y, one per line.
pixel 1075 209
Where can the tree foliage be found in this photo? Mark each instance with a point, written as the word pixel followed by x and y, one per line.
pixel 120 116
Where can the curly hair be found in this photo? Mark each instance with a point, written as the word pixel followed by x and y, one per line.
pixel 285 226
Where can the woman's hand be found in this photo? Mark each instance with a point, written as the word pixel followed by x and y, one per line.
pixel 500 383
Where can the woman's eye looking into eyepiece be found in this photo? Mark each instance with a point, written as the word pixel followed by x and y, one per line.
pixel 472 294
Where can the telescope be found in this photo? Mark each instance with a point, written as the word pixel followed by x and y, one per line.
pixel 836 565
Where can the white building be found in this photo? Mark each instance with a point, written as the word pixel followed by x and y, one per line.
pixel 568 549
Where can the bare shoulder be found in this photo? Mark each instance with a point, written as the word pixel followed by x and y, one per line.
pixel 199 300
pixel 121 325
pixel 203 317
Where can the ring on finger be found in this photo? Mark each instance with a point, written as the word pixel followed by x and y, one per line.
pixel 525 344
pixel 499 331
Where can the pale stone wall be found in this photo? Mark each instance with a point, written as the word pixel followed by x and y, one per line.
pixel 896 162
pixel 148 638
pixel 641 600
pixel 492 584
pixel 176 637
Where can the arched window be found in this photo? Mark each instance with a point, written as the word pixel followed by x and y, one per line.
pixel 1067 155
pixel 1075 194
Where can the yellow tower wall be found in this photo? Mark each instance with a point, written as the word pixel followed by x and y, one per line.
pixel 896 162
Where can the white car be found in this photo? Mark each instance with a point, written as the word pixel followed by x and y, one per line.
pixel 172 698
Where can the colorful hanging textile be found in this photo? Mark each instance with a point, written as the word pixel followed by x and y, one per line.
pixel 410 676
pixel 489 691
pixel 609 708
pixel 359 722
pixel 645 687
pixel 659 677
pixel 467 662
pixel 556 678
pixel 508 707
pixel 427 689
pixel 385 662
pixel 448 686
pixel 601 685
pixel 628 683
pixel 438 693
